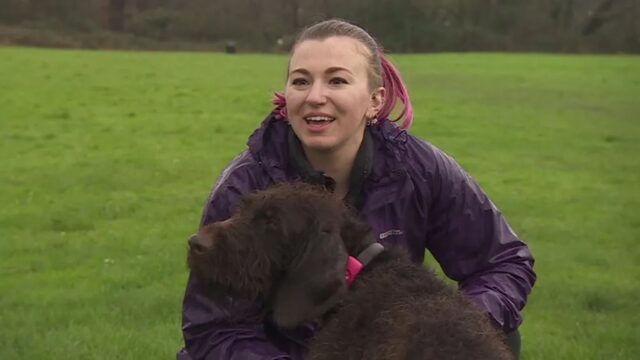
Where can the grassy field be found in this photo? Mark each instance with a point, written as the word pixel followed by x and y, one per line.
pixel 107 158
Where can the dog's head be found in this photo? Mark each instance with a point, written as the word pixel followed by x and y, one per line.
pixel 287 245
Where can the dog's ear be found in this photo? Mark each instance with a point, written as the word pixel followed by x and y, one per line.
pixel 355 234
pixel 224 261
pixel 314 283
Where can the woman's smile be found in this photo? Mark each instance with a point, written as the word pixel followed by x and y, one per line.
pixel 318 123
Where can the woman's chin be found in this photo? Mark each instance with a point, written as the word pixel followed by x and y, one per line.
pixel 316 142
pixel 319 145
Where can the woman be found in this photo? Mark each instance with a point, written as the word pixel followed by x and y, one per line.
pixel 331 127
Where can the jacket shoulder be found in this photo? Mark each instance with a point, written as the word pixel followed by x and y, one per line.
pixel 240 173
pixel 429 168
pixel 423 159
pixel 242 176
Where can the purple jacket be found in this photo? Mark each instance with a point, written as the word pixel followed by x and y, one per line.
pixel 415 196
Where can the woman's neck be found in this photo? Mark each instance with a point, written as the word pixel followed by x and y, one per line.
pixel 336 165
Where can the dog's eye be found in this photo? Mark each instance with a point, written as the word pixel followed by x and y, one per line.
pixel 327 230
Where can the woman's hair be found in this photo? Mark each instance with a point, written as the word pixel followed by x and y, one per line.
pixel 381 72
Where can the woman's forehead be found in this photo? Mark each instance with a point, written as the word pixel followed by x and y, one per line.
pixel 332 52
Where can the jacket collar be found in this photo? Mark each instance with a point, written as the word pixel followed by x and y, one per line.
pixel 388 139
pixel 361 168
pixel 269 145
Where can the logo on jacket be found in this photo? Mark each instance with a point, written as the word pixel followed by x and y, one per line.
pixel 390 233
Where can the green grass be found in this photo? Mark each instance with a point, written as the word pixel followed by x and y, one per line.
pixel 107 158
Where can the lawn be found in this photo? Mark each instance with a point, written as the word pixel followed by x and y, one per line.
pixel 107 158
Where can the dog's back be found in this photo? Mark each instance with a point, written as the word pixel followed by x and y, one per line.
pixel 399 310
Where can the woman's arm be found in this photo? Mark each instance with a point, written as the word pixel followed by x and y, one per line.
pixel 475 245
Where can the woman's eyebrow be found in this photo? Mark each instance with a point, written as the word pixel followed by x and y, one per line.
pixel 334 69
pixel 330 70
pixel 301 70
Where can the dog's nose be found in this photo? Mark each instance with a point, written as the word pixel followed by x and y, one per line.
pixel 196 244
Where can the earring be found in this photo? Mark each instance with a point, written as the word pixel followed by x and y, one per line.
pixel 372 121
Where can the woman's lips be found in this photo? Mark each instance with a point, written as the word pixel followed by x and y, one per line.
pixel 318 123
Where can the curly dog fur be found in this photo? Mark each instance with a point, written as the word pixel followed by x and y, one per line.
pixel 287 247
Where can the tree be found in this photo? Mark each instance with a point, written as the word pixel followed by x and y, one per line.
pixel 116 15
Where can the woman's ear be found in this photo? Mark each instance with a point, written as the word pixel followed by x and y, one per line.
pixel 377 101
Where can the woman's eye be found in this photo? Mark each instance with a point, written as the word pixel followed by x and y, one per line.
pixel 338 80
pixel 299 82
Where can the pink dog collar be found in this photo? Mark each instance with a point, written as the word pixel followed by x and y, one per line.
pixel 355 265
pixel 353 269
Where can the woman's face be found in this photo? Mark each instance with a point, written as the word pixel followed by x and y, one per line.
pixel 328 95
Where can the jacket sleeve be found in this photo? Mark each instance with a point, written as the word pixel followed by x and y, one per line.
pixel 475 245
pixel 209 333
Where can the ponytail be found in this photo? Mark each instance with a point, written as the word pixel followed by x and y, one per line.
pixel 395 90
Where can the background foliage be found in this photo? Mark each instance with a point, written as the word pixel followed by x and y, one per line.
pixel 401 25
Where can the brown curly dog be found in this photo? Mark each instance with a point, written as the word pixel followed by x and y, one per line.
pixel 288 247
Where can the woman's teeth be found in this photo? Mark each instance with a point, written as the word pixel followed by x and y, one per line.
pixel 318 119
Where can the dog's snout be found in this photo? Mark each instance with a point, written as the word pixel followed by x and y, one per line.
pixel 196 244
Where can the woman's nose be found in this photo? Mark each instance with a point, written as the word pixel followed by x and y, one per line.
pixel 317 94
